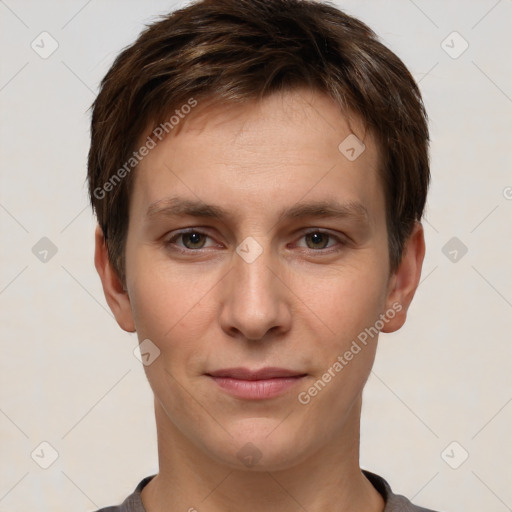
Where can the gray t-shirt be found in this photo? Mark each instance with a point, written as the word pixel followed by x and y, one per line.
pixel 394 502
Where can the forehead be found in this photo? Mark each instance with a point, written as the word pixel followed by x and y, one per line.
pixel 289 146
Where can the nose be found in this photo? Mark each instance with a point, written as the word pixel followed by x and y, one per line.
pixel 255 302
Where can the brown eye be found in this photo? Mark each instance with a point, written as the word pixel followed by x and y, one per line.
pixel 195 239
pixel 189 240
pixel 318 240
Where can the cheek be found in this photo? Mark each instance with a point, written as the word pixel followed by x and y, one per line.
pixel 165 297
pixel 172 307
pixel 350 306
pixel 168 309
pixel 344 302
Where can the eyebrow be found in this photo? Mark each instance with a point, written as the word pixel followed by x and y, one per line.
pixel 177 206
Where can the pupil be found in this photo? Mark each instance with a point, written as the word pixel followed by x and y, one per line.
pixel 194 238
pixel 317 238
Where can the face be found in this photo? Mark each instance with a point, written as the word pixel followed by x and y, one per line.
pixel 256 257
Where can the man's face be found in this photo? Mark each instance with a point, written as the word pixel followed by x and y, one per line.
pixel 258 288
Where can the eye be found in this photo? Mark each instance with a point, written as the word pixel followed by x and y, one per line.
pixel 318 240
pixel 192 239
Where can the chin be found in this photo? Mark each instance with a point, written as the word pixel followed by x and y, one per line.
pixel 260 444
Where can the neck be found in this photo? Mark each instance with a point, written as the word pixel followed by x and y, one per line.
pixel 328 480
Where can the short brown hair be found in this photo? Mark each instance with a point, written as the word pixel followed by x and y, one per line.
pixel 243 50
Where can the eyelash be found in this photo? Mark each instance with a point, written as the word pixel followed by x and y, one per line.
pixel 170 242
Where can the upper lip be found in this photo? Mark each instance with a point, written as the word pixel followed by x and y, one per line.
pixel 263 373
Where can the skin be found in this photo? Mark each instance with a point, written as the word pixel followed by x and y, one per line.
pixel 298 305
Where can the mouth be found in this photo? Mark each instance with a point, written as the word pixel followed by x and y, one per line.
pixel 259 384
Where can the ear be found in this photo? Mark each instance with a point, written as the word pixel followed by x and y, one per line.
pixel 404 282
pixel 115 294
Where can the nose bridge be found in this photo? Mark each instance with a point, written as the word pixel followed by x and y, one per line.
pixel 252 268
pixel 255 302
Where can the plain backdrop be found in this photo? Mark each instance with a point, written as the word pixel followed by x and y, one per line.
pixel 437 416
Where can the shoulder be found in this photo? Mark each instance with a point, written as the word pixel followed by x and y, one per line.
pixel 394 502
pixel 132 503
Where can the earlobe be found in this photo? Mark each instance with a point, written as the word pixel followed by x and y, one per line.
pixel 404 282
pixel 115 293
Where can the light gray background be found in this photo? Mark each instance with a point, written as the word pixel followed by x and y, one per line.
pixel 68 373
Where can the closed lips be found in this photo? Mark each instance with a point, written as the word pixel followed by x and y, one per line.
pixel 261 374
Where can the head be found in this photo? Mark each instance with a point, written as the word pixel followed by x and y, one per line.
pixel 247 123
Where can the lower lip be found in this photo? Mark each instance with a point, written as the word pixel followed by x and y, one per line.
pixel 257 389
